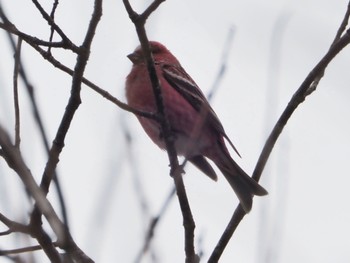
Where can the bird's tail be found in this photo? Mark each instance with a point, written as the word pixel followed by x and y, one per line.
pixel 244 186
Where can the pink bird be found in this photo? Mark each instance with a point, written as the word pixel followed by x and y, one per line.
pixel 198 131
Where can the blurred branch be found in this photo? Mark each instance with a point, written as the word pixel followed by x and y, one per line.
pixel 223 65
pixel 30 89
pixel 73 104
pixel 15 161
pixel 13 226
pixel 298 97
pixel 153 223
pixel 269 247
pixel 175 169
pixel 15 92
pixel 139 190
pixel 21 250
pixel 74 100
pixel 39 234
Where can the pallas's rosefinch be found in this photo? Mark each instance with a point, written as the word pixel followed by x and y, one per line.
pixel 198 132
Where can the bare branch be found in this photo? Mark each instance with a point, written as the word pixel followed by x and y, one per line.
pixel 175 169
pixel 47 56
pixel 152 7
pixel 9 27
pixel 21 250
pixel 339 33
pixel 153 223
pixel 15 92
pixel 38 233
pixel 221 72
pixel 52 15
pixel 30 89
pixel 14 159
pixel 13 226
pixel 298 97
pixel 53 25
pixel 74 99
pixel 72 106
pixel 343 25
pixel 35 43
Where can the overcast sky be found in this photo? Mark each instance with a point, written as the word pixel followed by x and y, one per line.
pixel 275 45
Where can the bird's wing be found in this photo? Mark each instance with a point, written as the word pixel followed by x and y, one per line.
pixel 185 85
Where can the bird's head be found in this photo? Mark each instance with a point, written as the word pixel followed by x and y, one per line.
pixel 160 54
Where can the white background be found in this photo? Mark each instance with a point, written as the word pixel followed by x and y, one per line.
pixel 306 216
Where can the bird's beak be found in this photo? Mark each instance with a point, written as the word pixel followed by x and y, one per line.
pixel 135 58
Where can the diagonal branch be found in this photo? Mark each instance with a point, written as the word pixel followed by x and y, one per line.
pixel 36 43
pixel 30 89
pixel 14 160
pixel 298 97
pixel 9 27
pixel 53 25
pixel 21 250
pixel 74 100
pixel 339 33
pixel 58 143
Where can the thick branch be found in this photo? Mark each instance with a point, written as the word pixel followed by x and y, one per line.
pixel 176 170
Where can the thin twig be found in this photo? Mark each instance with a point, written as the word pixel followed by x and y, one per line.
pixel 52 15
pixel 36 43
pixel 15 92
pixel 343 25
pixel 74 99
pixel 298 97
pixel 28 38
pixel 72 106
pixel 150 9
pixel 54 26
pixel 30 89
pixel 38 233
pixel 22 250
pixel 153 223
pixel 94 87
pixel 13 226
pixel 339 33
pixel 5 233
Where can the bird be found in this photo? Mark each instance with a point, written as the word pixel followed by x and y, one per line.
pixel 197 130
